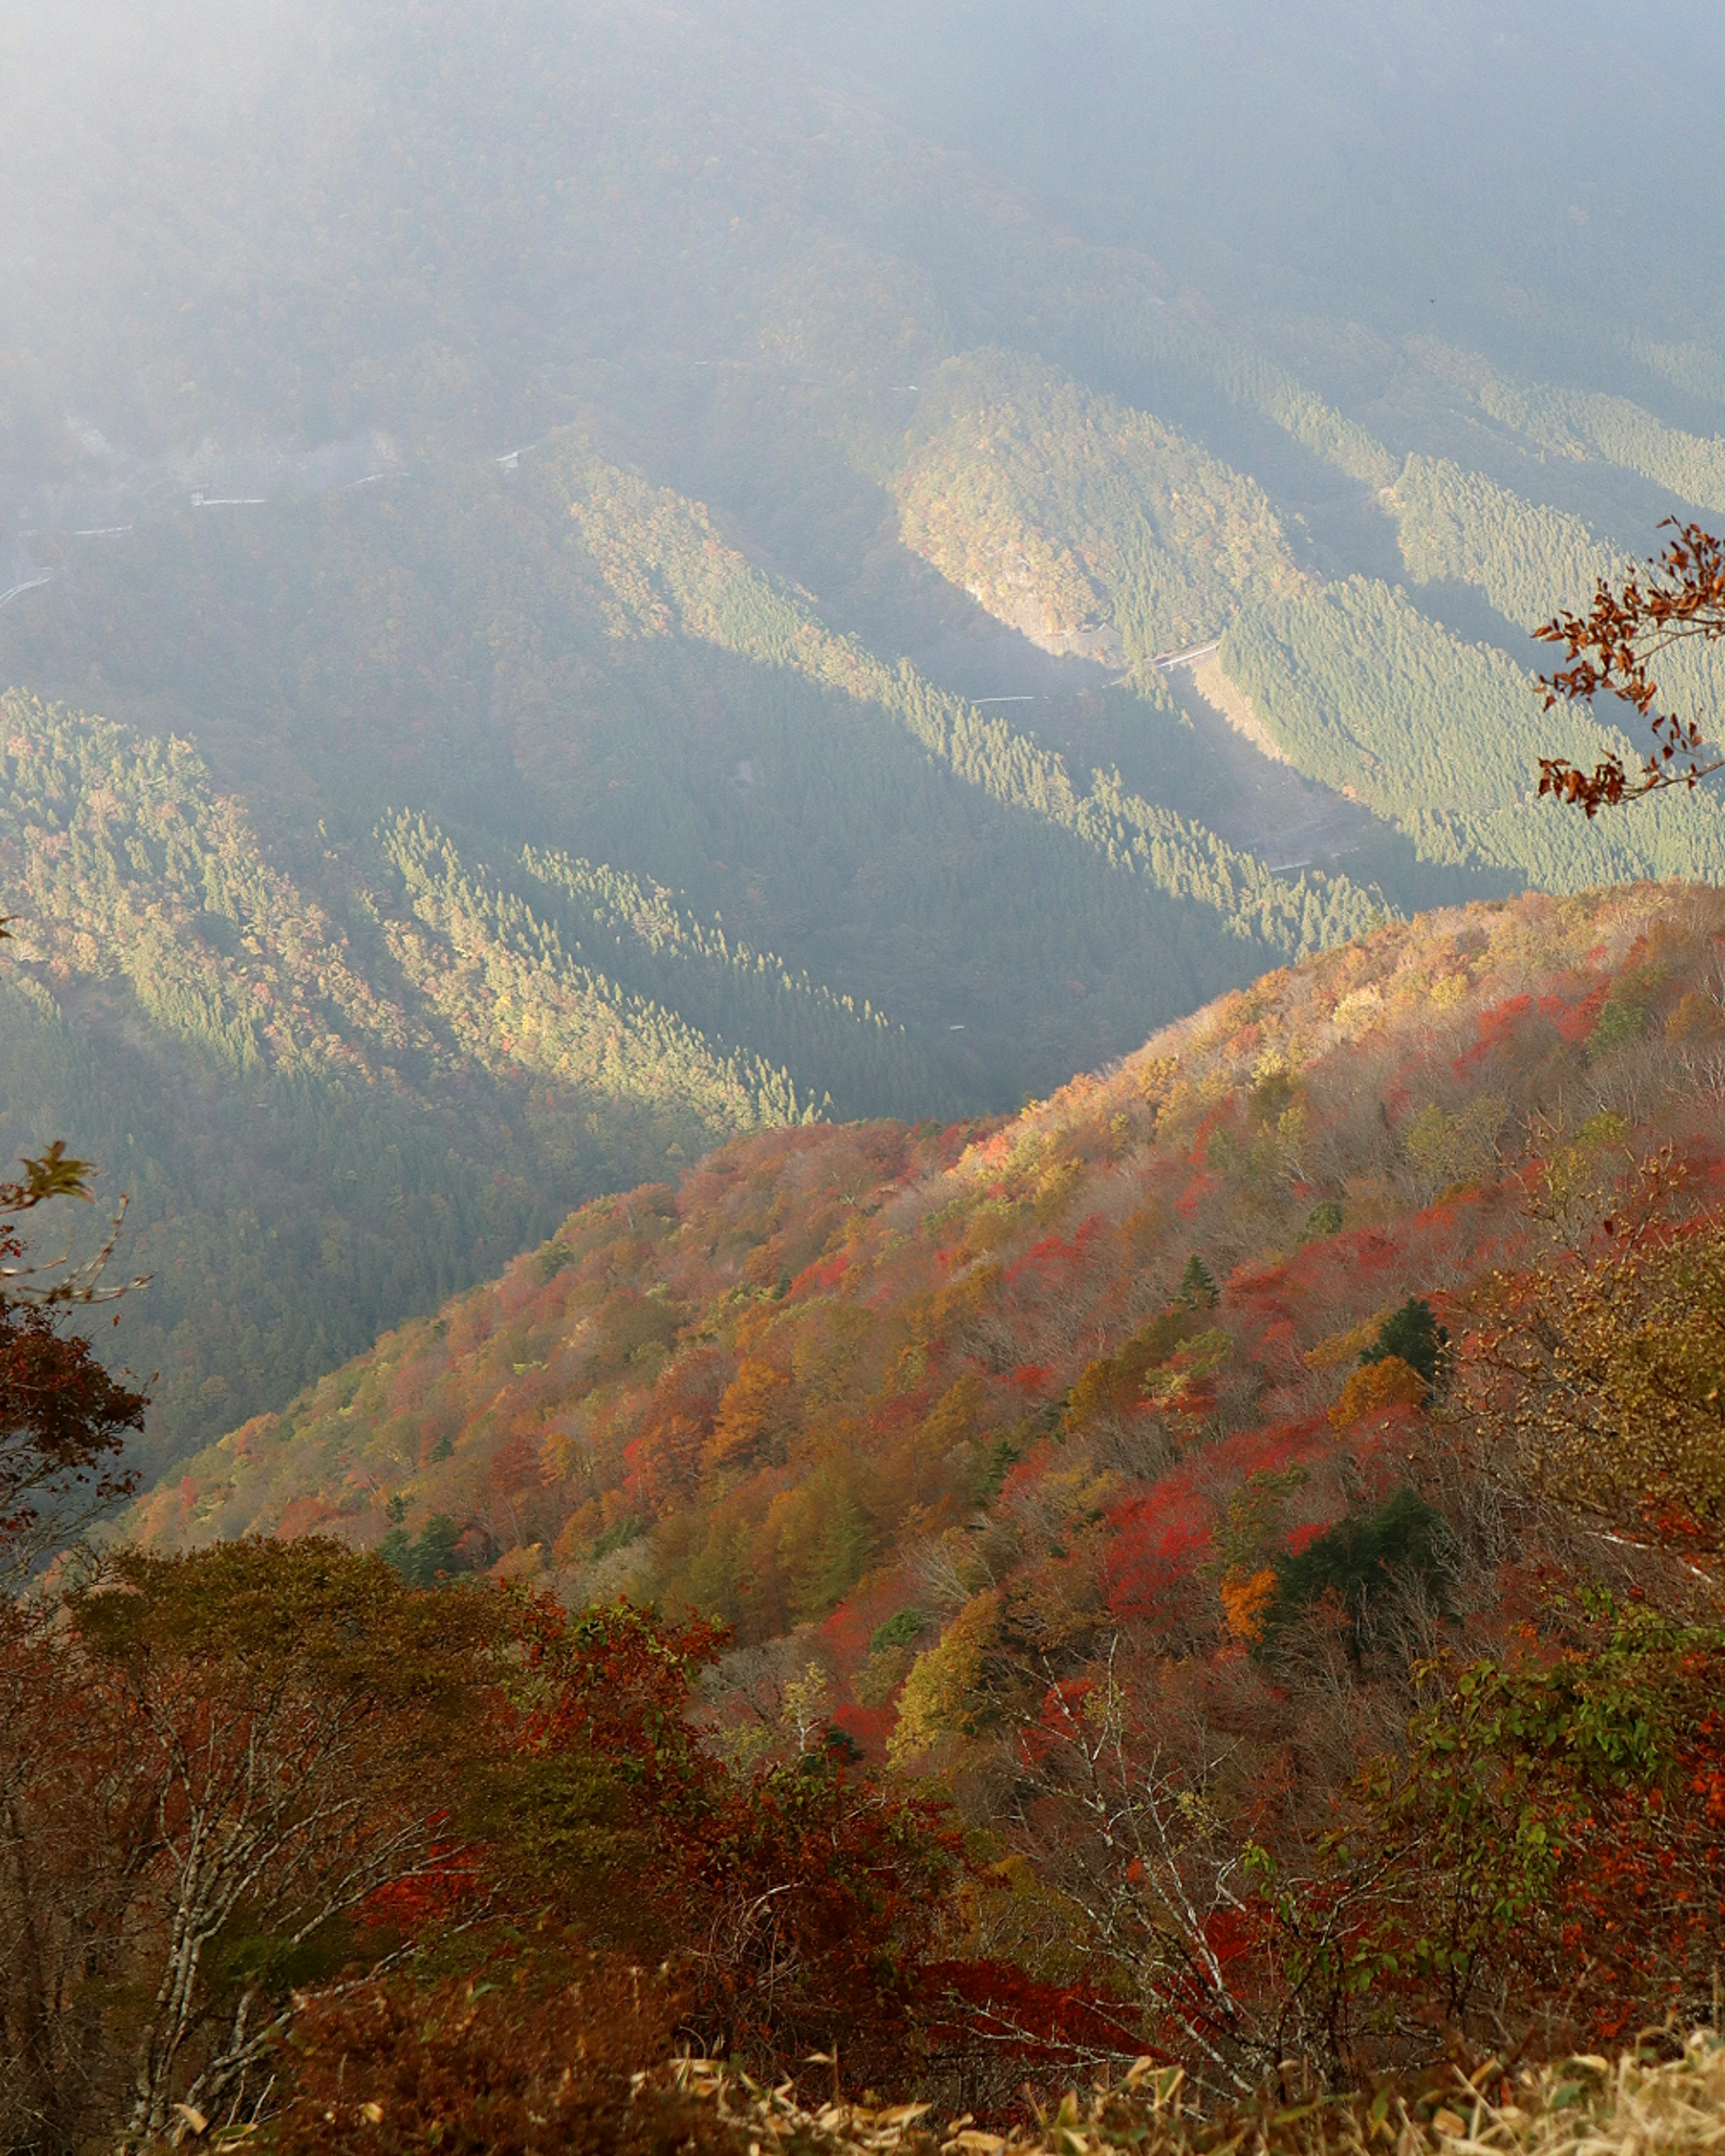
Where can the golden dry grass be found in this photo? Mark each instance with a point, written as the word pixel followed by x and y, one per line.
pixel 1637 2106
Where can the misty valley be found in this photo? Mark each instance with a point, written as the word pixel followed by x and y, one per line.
pixel 862 1036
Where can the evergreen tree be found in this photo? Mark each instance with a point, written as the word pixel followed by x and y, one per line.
pixel 1414 1336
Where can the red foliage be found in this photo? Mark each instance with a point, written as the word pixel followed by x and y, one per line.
pixel 1575 1021
pixel 1202 1186
pixel 452 1878
pixel 868 1728
pixel 804 1897
pixel 1155 1541
pixel 63 1422
pixel 514 1466
pixel 1062 1704
pixel 1643 1909
pixel 980 2004
pixel 1497 1028
pixel 848 1631
pixel 1054 1263
pixel 616 1680
pixel 824 1275
pixel 662 1462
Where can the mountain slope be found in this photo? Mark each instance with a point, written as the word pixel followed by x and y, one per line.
pixel 328 1109
pixel 789 1385
pixel 602 492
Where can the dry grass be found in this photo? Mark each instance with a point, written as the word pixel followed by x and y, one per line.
pixel 1638 2106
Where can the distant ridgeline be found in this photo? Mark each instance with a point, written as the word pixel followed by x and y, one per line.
pixel 337 1087
pixel 649 696
pixel 327 1111
pixel 676 492
pixel 1070 514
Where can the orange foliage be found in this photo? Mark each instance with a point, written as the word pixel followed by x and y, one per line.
pixel 741 1427
pixel 1245 1598
pixel 1376 1387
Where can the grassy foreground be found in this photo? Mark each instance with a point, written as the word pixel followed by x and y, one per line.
pixel 1641 2105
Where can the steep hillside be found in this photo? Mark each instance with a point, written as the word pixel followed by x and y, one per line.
pixel 656 563
pixel 331 1105
pixel 1089 525
pixel 808 1376
pixel 1254 1487
pixel 566 655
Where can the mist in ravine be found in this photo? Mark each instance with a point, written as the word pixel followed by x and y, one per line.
pixel 914 1179
pixel 580 581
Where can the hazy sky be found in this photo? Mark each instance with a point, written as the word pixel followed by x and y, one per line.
pixel 1519 166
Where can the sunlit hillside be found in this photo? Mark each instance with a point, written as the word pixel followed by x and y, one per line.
pixel 854 1290
pixel 847 1370
pixel 1367 1320
pixel 894 610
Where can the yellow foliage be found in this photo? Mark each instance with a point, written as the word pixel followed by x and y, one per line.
pixel 885 1671
pixel 1696 1017
pixel 1337 1349
pixel 1640 2101
pixel 1376 1386
pixel 1155 1075
pixel 1189 1365
pixel 1054 1184
pixel 1092 1396
pixel 1459 1148
pixel 1619 1404
pixel 1359 1011
pixel 926 1318
pixel 802 1710
pixel 957 1415
pixel 943 1694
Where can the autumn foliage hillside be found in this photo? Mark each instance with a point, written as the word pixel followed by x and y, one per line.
pixel 1268 1488
pixel 787 1390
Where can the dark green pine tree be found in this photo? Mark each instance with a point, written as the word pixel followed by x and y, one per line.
pixel 1413 1334
pixel 1198 1284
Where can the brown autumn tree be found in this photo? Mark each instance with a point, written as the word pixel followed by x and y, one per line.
pixel 1613 647
pixel 1595 1379
pixel 222 1777
pixel 62 1417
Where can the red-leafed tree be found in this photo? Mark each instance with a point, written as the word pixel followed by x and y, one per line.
pixel 797 1902
pixel 1613 648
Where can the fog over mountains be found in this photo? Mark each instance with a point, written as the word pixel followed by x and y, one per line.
pixel 578 580
pixel 933 1301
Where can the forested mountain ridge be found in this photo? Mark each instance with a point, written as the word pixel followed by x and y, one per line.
pixel 593 594
pixel 797 1375
pixel 130 870
pixel 401 1077
pixel 652 440
pixel 1271 1489
pixel 1158 1478
pixel 634 627
pixel 1010 469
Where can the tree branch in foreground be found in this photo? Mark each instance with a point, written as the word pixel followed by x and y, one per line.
pixel 1613 646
